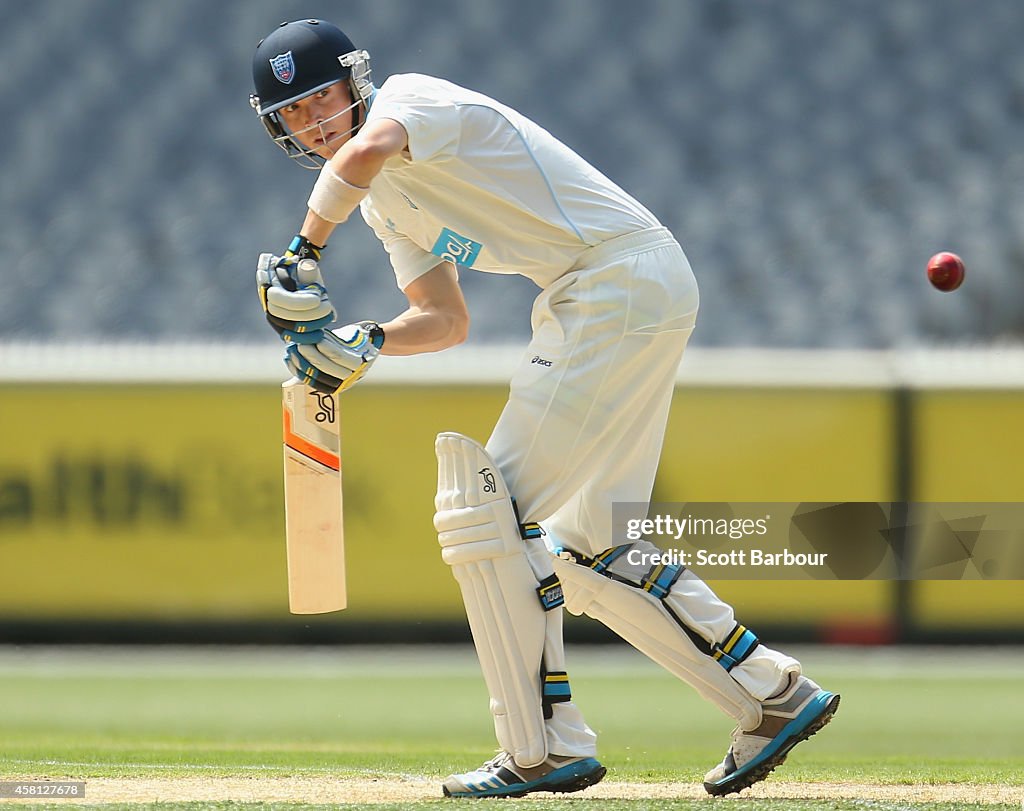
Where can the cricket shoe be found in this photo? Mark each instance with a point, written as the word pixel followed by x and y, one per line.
pixel 787 719
pixel 501 777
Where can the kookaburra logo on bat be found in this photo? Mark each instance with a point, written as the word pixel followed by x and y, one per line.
pixel 326 405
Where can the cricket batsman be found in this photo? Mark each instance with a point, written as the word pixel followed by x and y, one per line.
pixel 451 181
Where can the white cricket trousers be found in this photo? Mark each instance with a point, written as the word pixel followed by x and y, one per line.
pixel 585 422
pixel 588 405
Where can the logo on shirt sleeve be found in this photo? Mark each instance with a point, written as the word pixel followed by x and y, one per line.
pixel 456 248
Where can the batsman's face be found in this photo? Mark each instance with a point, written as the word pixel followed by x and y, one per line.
pixel 321 122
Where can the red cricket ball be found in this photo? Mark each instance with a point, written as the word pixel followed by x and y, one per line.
pixel 946 271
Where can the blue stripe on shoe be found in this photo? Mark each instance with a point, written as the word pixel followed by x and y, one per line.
pixel 807 716
pixel 581 768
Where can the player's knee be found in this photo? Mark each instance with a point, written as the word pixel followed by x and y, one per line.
pixel 470 533
pixel 474 517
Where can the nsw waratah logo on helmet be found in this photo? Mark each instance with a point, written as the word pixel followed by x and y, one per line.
pixel 283 66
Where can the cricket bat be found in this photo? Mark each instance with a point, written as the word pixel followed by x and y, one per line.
pixel 315 536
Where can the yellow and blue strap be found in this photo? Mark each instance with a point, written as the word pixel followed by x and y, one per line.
pixel 738 645
pixel 550 593
pixel 660 578
pixel 554 689
pixel 658 581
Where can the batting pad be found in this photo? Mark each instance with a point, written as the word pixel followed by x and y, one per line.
pixel 636 616
pixel 480 539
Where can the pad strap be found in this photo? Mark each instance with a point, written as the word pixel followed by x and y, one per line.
pixel 601 562
pixel 738 645
pixel 550 593
pixel 550 588
pixel 654 627
pixel 556 690
pixel 658 582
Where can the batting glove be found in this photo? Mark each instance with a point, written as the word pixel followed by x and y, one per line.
pixel 292 292
pixel 339 359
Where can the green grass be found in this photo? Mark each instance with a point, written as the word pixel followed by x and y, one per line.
pixel 913 717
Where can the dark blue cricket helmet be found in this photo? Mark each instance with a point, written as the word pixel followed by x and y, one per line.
pixel 298 59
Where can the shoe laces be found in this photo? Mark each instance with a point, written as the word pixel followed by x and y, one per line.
pixel 496 762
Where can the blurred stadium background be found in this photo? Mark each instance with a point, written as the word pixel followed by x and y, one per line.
pixel 810 157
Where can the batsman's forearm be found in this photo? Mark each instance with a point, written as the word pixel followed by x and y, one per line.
pixel 417 331
pixel 316 229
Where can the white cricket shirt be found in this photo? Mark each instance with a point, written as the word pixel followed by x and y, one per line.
pixel 486 188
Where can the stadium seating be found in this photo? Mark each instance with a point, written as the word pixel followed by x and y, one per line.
pixel 810 157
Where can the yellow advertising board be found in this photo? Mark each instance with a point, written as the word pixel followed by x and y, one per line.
pixel 165 501
pixel 968 446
